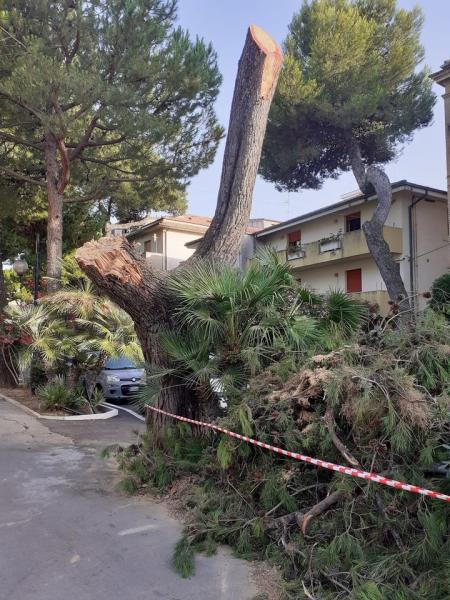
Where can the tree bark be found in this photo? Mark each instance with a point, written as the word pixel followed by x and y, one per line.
pixel 130 281
pixel 55 213
pixel 3 295
pixel 373 229
pixel 259 67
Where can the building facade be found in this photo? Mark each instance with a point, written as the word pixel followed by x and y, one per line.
pixel 163 241
pixel 248 245
pixel 327 249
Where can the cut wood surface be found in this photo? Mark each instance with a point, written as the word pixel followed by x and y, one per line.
pixel 259 67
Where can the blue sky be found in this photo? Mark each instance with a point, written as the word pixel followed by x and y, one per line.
pixel 224 23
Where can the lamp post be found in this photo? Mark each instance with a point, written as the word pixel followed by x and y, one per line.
pixel 20 267
pixel 36 267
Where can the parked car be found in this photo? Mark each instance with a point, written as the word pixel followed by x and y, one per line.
pixel 120 379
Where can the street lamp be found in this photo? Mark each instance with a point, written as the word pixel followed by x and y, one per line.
pixel 20 265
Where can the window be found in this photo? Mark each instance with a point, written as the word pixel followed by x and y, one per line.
pixel 353 222
pixel 121 362
pixel 294 238
pixel 154 244
pixel 353 279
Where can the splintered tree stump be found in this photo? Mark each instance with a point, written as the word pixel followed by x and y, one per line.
pixel 131 282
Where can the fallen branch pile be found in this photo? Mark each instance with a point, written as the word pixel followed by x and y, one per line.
pixel 381 405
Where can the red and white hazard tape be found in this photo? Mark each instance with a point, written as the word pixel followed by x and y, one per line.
pixel 399 485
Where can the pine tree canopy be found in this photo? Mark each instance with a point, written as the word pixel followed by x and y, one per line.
pixel 128 96
pixel 350 75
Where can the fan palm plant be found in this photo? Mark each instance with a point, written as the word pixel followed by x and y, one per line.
pixel 75 322
pixel 229 325
pixel 48 339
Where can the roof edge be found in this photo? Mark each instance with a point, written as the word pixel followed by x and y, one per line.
pixel 397 185
pixel 141 230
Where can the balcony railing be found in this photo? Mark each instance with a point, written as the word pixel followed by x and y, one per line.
pixel 330 245
pixel 348 245
pixel 295 252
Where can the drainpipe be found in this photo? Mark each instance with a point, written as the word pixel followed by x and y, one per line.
pixel 412 252
pixel 165 249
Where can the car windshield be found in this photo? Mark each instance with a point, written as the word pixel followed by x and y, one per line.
pixel 115 364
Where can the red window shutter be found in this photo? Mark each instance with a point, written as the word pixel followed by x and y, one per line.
pixel 294 236
pixel 353 222
pixel 354 280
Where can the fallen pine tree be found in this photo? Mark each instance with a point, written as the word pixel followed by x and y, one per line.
pixel 379 403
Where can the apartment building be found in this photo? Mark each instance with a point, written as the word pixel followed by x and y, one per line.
pixel 326 248
pixel 168 241
pixel 163 241
pixel 248 244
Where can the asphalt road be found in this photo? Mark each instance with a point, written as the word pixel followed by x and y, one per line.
pixel 67 534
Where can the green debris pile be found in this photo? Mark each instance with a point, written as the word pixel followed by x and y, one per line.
pixel 380 403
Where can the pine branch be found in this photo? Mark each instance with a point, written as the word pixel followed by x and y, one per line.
pixel 96 195
pixel 302 519
pixel 330 424
pixel 78 149
pixel 22 104
pixel 16 140
pixel 98 143
pixel 22 177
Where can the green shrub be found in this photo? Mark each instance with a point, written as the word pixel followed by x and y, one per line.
pixel 344 311
pixel 38 378
pixel 230 325
pixel 57 395
pixel 440 294
pixel 15 287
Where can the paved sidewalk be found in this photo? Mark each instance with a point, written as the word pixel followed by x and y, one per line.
pixel 66 534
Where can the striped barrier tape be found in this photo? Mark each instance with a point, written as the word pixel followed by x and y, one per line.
pixel 399 485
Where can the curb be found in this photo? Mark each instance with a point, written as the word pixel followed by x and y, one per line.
pixel 96 417
pixel 128 410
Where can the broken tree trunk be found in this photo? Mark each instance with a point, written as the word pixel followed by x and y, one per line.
pixel 373 229
pixel 131 282
pixel 258 71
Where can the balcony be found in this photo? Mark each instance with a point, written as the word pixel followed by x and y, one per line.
pixel 339 248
